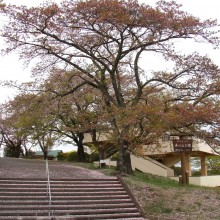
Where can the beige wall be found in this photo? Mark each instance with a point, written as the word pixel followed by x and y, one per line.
pixel 209 181
pixel 147 165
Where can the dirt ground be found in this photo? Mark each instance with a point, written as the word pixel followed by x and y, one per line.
pixel 182 203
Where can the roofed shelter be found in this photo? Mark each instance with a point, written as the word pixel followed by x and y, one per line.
pixel 163 151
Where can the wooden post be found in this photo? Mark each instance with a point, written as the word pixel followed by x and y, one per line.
pixel 183 167
pixel 188 164
pixel 187 178
pixel 190 167
pixel 203 166
pixel 180 180
pixel 184 146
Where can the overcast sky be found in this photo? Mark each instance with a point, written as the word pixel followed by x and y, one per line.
pixel 12 69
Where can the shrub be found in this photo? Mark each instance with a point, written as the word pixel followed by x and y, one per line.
pixel 115 156
pixel 177 171
pixel 94 156
pixel 196 173
pixel 87 157
pixel 62 156
pixel 11 153
pixel 72 156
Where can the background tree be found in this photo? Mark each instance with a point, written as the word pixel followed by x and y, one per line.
pixel 105 41
pixel 33 120
pixel 75 113
pixel 39 121
pixel 13 136
pixel 212 162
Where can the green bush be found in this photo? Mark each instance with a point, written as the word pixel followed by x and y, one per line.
pixel 115 156
pixel 177 171
pixel 213 172
pixel 196 173
pixel 62 156
pixel 11 153
pixel 87 157
pixel 72 156
pixel 94 156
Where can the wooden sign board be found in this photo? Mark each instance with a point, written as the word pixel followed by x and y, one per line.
pixel 182 145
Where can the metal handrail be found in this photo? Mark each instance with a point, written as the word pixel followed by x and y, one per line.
pixel 48 187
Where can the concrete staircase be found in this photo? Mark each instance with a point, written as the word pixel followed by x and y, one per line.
pixel 71 199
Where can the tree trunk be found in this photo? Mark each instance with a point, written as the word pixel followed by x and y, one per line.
pixel 17 153
pixel 80 151
pixel 45 152
pixel 124 158
pixel 102 153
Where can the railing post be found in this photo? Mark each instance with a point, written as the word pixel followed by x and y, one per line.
pixel 48 186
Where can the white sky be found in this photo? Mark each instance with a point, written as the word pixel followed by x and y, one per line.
pixel 11 68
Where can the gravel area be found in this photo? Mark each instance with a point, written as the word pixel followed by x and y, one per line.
pixel 23 168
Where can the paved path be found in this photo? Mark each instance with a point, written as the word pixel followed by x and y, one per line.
pixel 23 168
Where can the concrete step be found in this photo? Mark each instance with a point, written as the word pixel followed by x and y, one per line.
pixel 132 216
pixel 59 181
pixel 64 186
pixel 30 197
pixel 58 193
pixel 61 189
pixel 68 212
pixel 63 202
pixel 71 198
pixel 66 206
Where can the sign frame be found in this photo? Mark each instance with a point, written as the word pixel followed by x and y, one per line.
pixel 182 145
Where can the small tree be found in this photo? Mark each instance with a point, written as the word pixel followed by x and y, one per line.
pixel 13 137
pixel 30 121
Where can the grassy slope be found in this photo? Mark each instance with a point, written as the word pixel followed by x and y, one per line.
pixel 163 197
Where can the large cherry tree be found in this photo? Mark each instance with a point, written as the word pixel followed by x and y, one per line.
pixel 105 40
